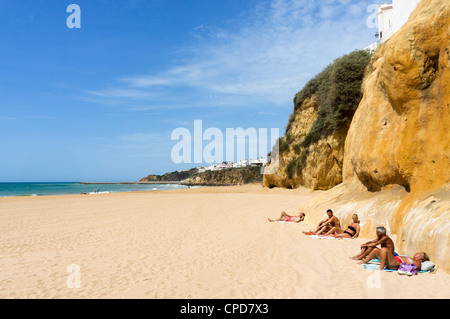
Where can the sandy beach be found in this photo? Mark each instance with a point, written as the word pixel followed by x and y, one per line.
pixel 210 242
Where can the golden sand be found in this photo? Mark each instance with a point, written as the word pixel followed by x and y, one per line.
pixel 211 242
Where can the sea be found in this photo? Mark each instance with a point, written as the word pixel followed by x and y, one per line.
pixel 45 189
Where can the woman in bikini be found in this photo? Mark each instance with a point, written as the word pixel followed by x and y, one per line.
pixel 287 218
pixel 352 230
pixel 393 262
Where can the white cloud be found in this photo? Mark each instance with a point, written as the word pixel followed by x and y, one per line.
pixel 268 57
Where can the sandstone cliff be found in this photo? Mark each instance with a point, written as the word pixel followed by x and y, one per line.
pixel 311 153
pixel 400 132
pixel 226 177
pixel 170 177
pixel 396 166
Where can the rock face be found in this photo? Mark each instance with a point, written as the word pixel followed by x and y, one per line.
pixel 422 227
pixel 170 177
pixel 225 177
pixel 400 132
pixel 396 167
pixel 311 153
pixel 318 166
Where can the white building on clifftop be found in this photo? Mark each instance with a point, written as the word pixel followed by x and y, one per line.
pixel 391 17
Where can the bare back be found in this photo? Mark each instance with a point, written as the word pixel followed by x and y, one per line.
pixel 386 242
pixel 334 222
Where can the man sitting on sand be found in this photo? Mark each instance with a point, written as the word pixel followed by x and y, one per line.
pixel 287 218
pixel 332 222
pixel 369 250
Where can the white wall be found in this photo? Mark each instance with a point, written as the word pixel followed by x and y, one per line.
pixel 385 19
pixel 391 19
pixel 402 11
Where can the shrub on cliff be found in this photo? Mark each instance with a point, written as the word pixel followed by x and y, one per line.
pixel 171 177
pixel 230 176
pixel 338 89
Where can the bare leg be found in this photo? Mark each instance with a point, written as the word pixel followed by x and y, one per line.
pixel 336 230
pixel 366 251
pixel 374 254
pixel 281 219
pixel 387 259
pixel 343 235
pixel 323 230
pixel 383 257
pixel 359 255
pixel 317 230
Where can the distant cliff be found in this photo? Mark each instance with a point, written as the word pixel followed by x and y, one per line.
pixel 170 177
pixel 232 176
pixel 225 177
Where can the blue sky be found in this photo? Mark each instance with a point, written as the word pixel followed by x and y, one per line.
pixel 100 103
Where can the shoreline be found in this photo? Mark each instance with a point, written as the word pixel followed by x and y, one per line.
pixel 186 186
pixel 204 189
pixel 132 183
pixel 80 188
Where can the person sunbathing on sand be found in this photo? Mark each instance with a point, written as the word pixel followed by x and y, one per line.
pixel 352 230
pixel 332 222
pixel 393 261
pixel 287 218
pixel 370 250
pixel 390 261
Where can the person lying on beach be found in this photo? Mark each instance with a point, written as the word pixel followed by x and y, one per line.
pixel 370 249
pixel 287 218
pixel 393 261
pixel 352 230
pixel 327 224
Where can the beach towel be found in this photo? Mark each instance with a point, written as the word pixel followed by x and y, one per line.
pixel 374 264
pixel 284 222
pixel 376 267
pixel 320 237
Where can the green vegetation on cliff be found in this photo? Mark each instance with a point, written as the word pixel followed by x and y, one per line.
pixel 230 176
pixel 225 177
pixel 171 177
pixel 338 90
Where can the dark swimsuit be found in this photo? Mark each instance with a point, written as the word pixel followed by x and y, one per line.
pixel 351 228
